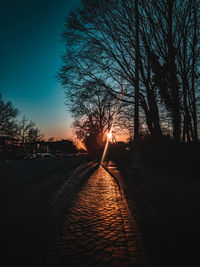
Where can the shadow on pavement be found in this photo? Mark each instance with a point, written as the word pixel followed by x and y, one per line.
pixel 166 208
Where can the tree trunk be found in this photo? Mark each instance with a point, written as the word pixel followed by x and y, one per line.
pixel 136 108
pixel 194 109
pixel 175 108
pixel 153 110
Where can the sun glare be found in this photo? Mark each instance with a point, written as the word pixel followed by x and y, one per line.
pixel 109 135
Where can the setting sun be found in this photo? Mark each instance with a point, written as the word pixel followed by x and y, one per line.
pixel 109 135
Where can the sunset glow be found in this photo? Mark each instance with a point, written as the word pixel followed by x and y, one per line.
pixel 109 135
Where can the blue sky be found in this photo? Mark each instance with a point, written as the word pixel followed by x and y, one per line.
pixel 30 49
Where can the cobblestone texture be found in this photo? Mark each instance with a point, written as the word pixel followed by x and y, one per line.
pixel 91 227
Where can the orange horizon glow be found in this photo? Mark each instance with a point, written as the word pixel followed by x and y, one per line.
pixel 59 135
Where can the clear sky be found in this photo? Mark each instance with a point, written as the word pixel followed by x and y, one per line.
pixel 30 49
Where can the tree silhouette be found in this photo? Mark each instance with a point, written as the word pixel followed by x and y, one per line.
pixel 8 119
pixel 146 51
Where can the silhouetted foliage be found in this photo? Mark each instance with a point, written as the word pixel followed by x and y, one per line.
pixel 8 118
pixel 25 129
pixel 63 146
pixel 94 144
pixel 34 135
pixel 11 126
pixel 107 40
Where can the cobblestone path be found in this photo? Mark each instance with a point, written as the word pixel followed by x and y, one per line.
pixel 91 228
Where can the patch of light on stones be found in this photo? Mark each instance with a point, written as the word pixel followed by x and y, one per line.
pixel 94 228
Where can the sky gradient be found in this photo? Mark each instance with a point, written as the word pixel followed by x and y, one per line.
pixel 30 56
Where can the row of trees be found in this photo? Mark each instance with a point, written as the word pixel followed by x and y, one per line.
pixel 144 53
pixel 12 126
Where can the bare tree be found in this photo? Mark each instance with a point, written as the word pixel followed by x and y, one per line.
pixel 8 119
pixel 174 55
pixel 34 135
pixel 93 109
pixel 106 52
pixel 25 127
pixel 137 54
pixel 107 42
pixel 188 60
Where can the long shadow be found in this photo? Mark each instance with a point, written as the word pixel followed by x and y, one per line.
pixel 54 220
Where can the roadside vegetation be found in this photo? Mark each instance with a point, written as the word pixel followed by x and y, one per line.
pixel 14 126
pixel 20 138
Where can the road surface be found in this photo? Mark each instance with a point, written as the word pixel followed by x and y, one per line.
pixel 52 218
pixel 25 189
pixel 89 225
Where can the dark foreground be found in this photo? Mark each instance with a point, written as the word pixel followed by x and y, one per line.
pixel 71 212
pixel 166 205
pixel 53 217
pixel 26 188
pixel 89 224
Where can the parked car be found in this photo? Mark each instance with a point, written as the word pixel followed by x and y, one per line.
pixel 30 156
pixel 39 155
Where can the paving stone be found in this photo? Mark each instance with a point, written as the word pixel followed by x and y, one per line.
pixel 91 227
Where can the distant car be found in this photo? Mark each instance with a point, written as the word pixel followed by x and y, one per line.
pixel 39 155
pixel 30 156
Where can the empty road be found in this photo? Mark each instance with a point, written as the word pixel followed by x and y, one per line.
pixel 89 225
pixel 25 190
